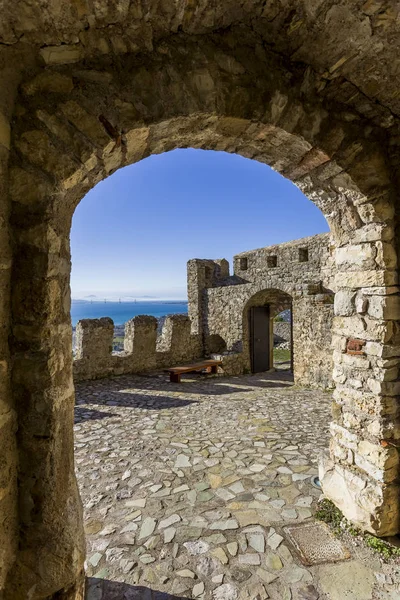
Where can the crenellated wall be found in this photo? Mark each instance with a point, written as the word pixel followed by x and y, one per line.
pixel 142 350
pixel 297 274
pixel 217 322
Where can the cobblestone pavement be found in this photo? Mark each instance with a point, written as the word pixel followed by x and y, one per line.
pixel 187 487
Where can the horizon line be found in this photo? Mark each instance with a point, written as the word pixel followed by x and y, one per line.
pixel 142 299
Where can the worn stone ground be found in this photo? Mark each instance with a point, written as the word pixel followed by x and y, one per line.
pixel 186 488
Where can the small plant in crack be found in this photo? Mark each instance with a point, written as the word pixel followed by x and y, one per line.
pixel 330 514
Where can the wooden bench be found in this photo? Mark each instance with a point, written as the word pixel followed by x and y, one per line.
pixel 209 364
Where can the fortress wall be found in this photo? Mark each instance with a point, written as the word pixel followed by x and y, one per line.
pixel 298 261
pixel 142 352
pixel 297 274
pixel 312 338
pixel 282 332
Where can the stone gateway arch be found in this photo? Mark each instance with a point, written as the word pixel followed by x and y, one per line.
pixel 309 88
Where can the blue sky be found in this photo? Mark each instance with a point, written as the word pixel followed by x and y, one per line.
pixel 133 233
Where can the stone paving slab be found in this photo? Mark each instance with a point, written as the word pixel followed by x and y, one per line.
pixel 187 488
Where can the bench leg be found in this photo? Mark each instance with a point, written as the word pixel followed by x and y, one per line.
pixel 214 369
pixel 175 377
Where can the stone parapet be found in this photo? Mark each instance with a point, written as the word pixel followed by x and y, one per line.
pixel 232 363
pixel 94 339
pixel 140 343
pixel 142 351
pixel 295 263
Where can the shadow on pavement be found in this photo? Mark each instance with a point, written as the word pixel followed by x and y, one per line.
pixel 103 589
pixel 136 391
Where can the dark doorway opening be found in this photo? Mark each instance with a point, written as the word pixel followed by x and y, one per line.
pixel 260 338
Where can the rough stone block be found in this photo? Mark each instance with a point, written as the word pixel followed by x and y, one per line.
pixel 386 255
pixel 338 343
pixel 85 122
pixel 364 328
pixel 377 211
pixel 5 131
pixel 385 388
pixel 52 82
pixel 360 255
pixel 356 362
pixel 232 363
pixel 345 437
pixel 174 344
pixel 365 279
pixel 373 507
pixel 338 375
pixel 344 303
pixel 61 55
pixel 381 463
pixel 372 232
pixel 384 307
pixel 361 304
pixel 136 144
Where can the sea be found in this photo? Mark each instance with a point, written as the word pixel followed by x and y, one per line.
pixel 120 312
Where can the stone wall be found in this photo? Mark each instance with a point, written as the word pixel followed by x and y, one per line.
pixel 8 415
pixel 312 337
pixel 282 276
pixel 312 93
pixel 282 332
pixel 143 351
pixel 218 314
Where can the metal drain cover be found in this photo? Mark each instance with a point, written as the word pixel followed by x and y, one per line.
pixel 316 543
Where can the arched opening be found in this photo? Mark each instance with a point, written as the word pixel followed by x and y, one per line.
pixel 306 326
pixel 133 233
pixel 137 486
pixel 60 313
pixel 215 95
pixel 258 327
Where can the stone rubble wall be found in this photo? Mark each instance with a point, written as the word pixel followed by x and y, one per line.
pixel 217 321
pixel 299 261
pixel 312 337
pixel 229 77
pixel 8 414
pixel 282 332
pixel 364 455
pixel 142 350
pixel 223 302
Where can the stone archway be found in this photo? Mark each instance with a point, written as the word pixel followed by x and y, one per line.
pixel 233 93
pixel 276 301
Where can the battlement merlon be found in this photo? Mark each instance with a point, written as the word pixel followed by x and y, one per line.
pixel 94 339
